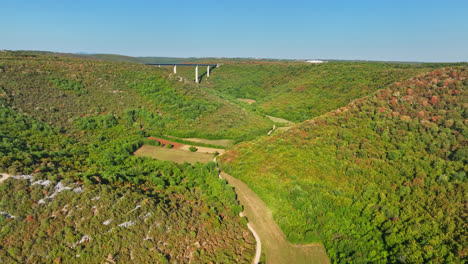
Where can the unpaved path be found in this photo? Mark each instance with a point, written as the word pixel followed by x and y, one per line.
pixel 277 248
pixel 4 177
pixel 258 251
pixel 289 124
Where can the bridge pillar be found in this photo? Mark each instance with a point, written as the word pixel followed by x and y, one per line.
pixel 175 69
pixel 208 71
pixel 196 74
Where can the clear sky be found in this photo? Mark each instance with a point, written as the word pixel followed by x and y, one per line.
pixel 406 30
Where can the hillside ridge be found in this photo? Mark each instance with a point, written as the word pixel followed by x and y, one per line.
pixel 367 173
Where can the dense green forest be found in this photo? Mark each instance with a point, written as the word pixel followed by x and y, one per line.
pixel 301 91
pixel 89 200
pixel 382 179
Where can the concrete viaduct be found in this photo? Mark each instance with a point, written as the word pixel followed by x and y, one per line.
pixel 209 67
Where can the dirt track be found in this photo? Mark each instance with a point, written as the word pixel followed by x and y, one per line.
pixel 4 177
pixel 277 249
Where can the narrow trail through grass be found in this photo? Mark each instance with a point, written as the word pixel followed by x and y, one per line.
pixel 288 124
pixel 277 248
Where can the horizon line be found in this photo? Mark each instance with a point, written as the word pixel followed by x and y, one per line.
pixel 253 58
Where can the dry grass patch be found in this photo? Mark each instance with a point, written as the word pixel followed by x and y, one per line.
pixel 175 155
pixel 204 149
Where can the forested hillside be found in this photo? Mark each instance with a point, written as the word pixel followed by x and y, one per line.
pixel 299 91
pixel 66 91
pixel 382 179
pixel 68 130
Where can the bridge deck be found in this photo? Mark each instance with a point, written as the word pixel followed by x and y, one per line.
pixel 181 64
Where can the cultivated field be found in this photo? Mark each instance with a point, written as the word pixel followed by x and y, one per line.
pixel 176 155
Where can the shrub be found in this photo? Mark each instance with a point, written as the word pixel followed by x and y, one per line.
pixel 193 149
pixel 169 146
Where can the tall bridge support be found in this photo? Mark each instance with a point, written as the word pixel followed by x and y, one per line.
pixel 197 78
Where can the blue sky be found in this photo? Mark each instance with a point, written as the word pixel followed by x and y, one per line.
pixel 409 30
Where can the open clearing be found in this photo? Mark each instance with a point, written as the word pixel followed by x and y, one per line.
pixel 245 100
pixel 179 153
pixel 216 142
pixel 277 248
pixel 283 128
pixel 280 120
pixel 176 155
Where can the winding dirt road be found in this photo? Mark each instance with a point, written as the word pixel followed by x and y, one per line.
pixel 277 249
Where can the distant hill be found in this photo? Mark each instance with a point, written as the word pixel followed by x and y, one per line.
pixel 382 179
pixel 146 59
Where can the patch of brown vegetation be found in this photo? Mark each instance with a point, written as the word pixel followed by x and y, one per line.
pixel 421 114
pixel 300 89
pixel 434 100
pixel 405 118
pixel 229 156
